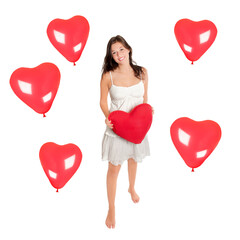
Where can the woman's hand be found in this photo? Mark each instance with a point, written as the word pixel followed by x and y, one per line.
pixel 108 123
pixel 152 111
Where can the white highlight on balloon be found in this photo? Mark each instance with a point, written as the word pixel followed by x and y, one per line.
pixel 201 154
pixel 47 97
pixel 60 37
pixel 77 47
pixel 52 174
pixel 204 37
pixel 69 162
pixel 183 137
pixel 25 87
pixel 187 48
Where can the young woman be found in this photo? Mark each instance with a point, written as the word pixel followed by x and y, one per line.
pixel 127 85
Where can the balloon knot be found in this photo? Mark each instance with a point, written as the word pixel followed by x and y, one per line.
pixel 192 62
pixel 74 64
pixel 44 115
pixel 57 190
pixel 192 169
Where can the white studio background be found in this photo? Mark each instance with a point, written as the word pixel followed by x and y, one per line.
pixel 175 203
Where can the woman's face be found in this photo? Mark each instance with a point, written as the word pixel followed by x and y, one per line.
pixel 120 54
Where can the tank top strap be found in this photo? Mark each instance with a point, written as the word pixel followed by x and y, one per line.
pixel 111 77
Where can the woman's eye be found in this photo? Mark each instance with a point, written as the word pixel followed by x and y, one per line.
pixel 121 49
pixel 114 53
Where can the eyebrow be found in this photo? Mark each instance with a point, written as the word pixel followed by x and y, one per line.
pixel 119 48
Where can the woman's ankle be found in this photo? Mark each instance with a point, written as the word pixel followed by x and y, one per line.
pixel 131 189
pixel 111 207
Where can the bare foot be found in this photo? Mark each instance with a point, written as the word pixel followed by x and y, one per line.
pixel 135 197
pixel 110 220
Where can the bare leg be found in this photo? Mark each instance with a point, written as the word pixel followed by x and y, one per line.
pixel 111 193
pixel 132 170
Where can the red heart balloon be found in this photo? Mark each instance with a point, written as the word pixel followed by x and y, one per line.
pixel 194 38
pixel 37 87
pixel 69 37
pixel 195 141
pixel 60 162
pixel 132 126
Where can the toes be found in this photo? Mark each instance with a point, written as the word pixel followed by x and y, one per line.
pixel 107 224
pixel 135 199
pixel 110 224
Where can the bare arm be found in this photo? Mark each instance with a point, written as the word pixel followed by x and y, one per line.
pixel 104 87
pixel 145 81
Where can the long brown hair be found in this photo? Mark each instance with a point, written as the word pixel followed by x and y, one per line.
pixel 109 63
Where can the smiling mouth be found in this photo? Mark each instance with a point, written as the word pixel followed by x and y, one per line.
pixel 120 59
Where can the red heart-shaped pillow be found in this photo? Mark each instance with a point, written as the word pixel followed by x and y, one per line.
pixel 194 140
pixel 69 36
pixel 60 162
pixel 132 126
pixel 37 87
pixel 194 38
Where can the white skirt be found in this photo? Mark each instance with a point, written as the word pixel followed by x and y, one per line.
pixel 116 149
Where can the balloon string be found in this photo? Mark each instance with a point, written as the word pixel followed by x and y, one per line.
pixel 192 169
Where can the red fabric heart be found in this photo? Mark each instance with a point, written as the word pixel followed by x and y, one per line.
pixel 37 87
pixel 69 37
pixel 132 126
pixel 60 162
pixel 194 38
pixel 195 141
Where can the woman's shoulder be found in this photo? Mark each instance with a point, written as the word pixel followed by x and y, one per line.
pixel 106 75
pixel 144 73
pixel 106 78
pixel 144 70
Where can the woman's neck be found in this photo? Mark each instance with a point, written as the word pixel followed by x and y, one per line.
pixel 124 68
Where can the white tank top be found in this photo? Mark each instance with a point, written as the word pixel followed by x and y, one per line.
pixel 124 98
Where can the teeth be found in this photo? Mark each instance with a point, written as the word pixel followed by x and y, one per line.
pixel 121 58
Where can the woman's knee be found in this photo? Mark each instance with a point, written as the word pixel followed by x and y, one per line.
pixel 131 161
pixel 113 170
